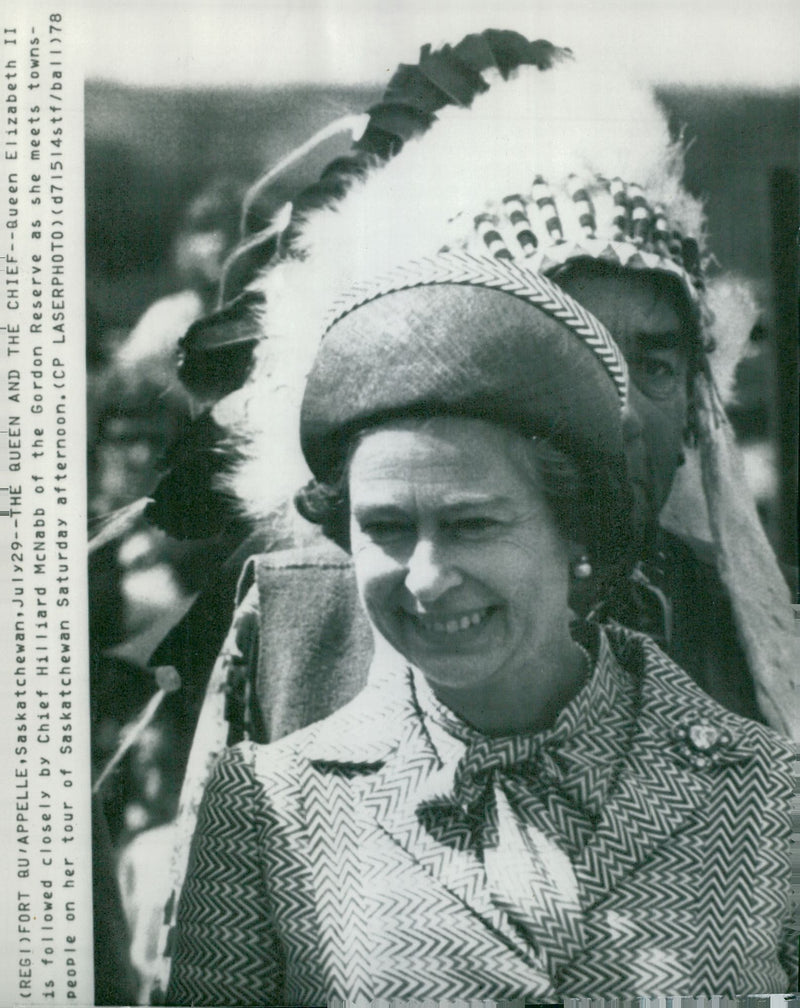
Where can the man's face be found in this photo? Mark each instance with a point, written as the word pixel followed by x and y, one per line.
pixel 650 322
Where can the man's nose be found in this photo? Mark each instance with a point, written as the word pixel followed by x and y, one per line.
pixel 631 423
pixel 429 573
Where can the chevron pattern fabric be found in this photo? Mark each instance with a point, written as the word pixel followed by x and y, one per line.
pixel 531 879
pixel 319 870
pixel 495 274
pixel 538 798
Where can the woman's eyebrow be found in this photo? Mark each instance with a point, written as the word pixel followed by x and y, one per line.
pixel 460 504
pixel 454 505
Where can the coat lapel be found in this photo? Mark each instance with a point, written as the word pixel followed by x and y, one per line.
pixel 378 830
pixel 663 785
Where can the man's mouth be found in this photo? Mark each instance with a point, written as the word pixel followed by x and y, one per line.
pixel 451 624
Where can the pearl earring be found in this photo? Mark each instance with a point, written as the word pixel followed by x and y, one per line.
pixel 582 568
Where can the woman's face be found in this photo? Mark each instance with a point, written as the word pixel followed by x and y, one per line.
pixel 458 559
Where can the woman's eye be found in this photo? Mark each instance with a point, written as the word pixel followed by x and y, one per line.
pixel 382 531
pixel 466 527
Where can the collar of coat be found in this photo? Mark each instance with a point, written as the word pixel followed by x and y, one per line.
pixel 660 785
pixel 373 727
pixel 578 754
pixel 367 768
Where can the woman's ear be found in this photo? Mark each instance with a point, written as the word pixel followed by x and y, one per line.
pixel 582 588
pixel 580 566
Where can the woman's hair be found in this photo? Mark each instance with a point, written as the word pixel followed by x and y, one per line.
pixel 582 510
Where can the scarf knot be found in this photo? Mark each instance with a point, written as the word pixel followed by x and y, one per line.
pixel 487 759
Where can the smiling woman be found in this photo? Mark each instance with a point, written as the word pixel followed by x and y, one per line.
pixel 497 813
pixel 463 570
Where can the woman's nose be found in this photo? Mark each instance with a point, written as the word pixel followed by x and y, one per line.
pixel 429 574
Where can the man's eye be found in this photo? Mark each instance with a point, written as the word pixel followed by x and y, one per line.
pixel 655 368
pixel 656 376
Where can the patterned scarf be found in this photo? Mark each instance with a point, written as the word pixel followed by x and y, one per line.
pixel 534 800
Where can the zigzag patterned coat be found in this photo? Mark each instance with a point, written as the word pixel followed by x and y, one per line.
pixel 313 875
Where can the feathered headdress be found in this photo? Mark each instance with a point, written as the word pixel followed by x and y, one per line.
pixel 522 157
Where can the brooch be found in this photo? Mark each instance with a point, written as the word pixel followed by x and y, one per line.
pixel 701 743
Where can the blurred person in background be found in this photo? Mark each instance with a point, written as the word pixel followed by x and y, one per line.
pixel 140 411
pixel 141 577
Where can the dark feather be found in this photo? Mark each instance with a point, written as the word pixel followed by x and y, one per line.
pixel 216 352
pixel 186 504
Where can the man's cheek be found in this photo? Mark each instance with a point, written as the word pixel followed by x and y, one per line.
pixel 663 436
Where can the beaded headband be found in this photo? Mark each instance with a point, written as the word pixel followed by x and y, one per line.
pixel 545 230
pixel 501 274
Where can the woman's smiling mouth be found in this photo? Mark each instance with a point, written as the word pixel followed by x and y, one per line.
pixel 449 625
